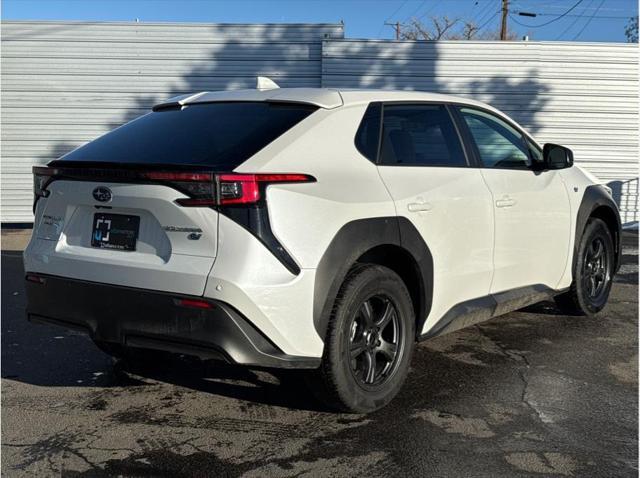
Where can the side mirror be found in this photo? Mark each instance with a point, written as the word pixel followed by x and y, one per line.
pixel 557 157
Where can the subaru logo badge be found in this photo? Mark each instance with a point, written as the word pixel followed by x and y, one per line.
pixel 102 194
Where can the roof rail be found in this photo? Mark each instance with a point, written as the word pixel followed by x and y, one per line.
pixel 264 83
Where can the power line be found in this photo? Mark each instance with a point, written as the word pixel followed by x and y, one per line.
pixel 391 16
pixel 550 21
pixel 488 21
pixel 588 21
pixel 473 17
pixel 485 14
pixel 578 17
pixel 398 9
pixel 429 10
pixel 422 4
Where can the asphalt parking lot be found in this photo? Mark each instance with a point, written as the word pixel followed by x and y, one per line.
pixel 533 393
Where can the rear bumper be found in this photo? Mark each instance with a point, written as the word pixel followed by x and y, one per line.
pixel 154 320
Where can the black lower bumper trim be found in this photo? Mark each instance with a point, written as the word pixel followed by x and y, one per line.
pixel 154 320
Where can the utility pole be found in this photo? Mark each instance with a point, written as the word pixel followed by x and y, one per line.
pixel 396 27
pixel 503 26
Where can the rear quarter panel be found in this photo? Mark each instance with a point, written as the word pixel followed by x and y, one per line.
pixel 306 217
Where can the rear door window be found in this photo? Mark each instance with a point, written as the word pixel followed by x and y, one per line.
pixel 220 135
pixel 420 135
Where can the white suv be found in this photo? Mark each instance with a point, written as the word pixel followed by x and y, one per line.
pixel 315 229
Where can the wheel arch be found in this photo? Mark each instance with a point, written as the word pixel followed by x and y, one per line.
pixel 392 242
pixel 598 203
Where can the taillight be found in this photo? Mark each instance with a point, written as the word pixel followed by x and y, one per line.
pixel 203 188
pixel 193 303
pixel 249 188
pixel 41 179
pixel 209 189
pixel 200 187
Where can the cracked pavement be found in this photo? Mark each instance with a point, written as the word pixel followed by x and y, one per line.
pixel 532 393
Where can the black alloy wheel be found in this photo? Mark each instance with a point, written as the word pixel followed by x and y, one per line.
pixel 596 272
pixel 593 272
pixel 369 341
pixel 375 341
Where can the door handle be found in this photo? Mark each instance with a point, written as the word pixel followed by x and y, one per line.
pixel 419 206
pixel 506 201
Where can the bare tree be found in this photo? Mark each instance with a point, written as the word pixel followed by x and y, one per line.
pixel 469 31
pixel 416 30
pixel 631 30
pixel 489 35
pixel 442 28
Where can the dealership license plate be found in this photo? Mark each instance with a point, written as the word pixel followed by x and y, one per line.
pixel 115 231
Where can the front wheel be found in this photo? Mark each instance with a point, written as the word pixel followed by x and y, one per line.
pixel 369 341
pixel 593 275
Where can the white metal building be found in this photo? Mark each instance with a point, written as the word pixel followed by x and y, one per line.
pixel 581 95
pixel 65 83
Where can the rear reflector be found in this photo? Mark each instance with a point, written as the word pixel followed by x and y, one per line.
pixel 194 303
pixel 36 279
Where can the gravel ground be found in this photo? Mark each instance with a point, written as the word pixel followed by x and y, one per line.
pixel 533 393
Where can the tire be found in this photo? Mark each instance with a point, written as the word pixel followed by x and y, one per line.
pixel 592 279
pixel 369 342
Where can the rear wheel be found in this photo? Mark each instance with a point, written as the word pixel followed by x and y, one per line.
pixel 592 280
pixel 369 341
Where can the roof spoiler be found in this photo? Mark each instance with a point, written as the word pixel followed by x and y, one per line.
pixel 177 101
pixel 262 84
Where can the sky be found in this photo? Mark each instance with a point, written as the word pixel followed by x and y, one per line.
pixel 589 20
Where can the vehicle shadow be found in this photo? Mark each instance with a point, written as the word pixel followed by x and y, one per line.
pixel 50 356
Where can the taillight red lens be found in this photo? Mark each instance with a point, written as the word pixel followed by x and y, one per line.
pixel 199 186
pixel 36 278
pixel 177 176
pixel 203 189
pixel 194 303
pixel 246 188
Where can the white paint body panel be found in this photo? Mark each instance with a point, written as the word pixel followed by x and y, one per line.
pixel 163 260
pixel 280 304
pixel 457 227
pixel 532 232
pixel 348 187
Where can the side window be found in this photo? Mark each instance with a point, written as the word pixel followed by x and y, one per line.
pixel 499 144
pixel 420 135
pixel 368 134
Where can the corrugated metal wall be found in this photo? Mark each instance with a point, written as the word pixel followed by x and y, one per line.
pixel 583 95
pixel 65 83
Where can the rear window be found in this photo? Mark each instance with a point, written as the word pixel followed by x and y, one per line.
pixel 222 135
